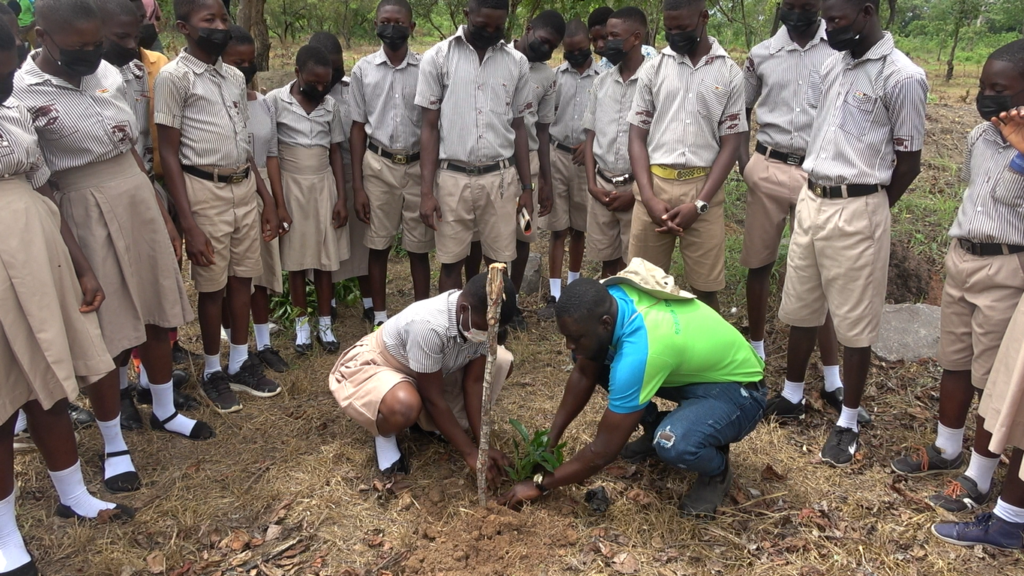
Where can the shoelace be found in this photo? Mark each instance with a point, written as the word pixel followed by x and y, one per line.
pixel 980 521
pixel 922 455
pixel 955 490
pixel 217 383
pixel 841 437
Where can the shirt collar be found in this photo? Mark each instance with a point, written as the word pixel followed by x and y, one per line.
pixel 716 52
pixel 453 315
pixel 883 48
pixel 990 132
pixel 286 95
pixel 197 65
pixel 33 75
pixel 411 59
pixel 136 68
pixel 590 71
pixel 782 40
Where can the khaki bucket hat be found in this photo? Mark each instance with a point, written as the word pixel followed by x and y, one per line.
pixel 648 278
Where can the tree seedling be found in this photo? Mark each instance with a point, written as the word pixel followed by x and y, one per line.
pixel 533 452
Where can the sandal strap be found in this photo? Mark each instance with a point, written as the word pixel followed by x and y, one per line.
pixel 110 455
pixel 169 418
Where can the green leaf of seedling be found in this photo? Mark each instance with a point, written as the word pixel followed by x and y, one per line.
pixel 520 429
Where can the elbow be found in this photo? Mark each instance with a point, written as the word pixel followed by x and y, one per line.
pixel 601 456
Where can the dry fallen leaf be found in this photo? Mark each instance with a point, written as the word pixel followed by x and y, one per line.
pixel 155 562
pixel 620 471
pixel 770 473
pixel 399 486
pixel 625 563
pixel 640 496
pixel 280 511
pixel 270 570
pixel 273 532
pixel 374 541
pixel 294 551
pixel 183 570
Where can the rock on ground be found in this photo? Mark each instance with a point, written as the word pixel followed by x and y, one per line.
pixel 909 332
pixel 531 280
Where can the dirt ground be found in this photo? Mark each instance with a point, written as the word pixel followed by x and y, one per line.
pixel 288 486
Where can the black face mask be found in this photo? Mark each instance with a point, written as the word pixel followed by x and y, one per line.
pixel 80 63
pixel 682 42
pixel 798 22
pixel 213 41
pixel 537 51
pixel 843 39
pixel 337 75
pixel 482 38
pixel 615 51
pixel 578 58
pixel 394 36
pixel 6 87
pixel 313 93
pixel 249 72
pixel 992 105
pixel 22 53
pixel 118 55
pixel 148 35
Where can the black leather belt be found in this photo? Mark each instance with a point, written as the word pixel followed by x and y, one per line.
pixel 395 158
pixel 847 191
pixel 757 387
pixel 562 147
pixel 791 159
pixel 477 170
pixel 234 178
pixel 988 249
pixel 624 180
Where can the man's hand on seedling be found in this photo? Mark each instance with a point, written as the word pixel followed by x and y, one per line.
pixel 519 494
pixel 496 463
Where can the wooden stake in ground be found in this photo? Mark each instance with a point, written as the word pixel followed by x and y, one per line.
pixel 495 292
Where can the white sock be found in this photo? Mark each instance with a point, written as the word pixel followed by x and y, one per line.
pixel 848 419
pixel 122 374
pixel 113 441
pixel 758 346
pixel 237 355
pixel 1008 512
pixel 143 376
pixel 793 391
pixel 71 488
pixel 326 332
pixel 163 407
pixel 573 276
pixel 302 330
pixel 379 317
pixel 832 378
pixel 367 303
pixel 212 364
pixel 12 547
pixel 22 424
pixel 556 287
pixel 949 441
pixel 387 451
pixel 262 335
pixel 981 470
pixel 334 302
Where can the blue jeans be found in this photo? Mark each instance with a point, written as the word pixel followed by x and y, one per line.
pixel 696 435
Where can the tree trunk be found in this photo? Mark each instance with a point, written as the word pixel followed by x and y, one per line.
pixel 952 50
pixel 495 293
pixel 250 17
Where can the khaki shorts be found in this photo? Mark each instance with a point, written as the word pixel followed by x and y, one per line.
pixel 772 190
pixel 839 261
pixel 978 299
pixel 469 203
pixel 569 189
pixel 607 231
pixel 366 372
pixel 230 218
pixel 703 246
pixel 535 177
pixel 394 194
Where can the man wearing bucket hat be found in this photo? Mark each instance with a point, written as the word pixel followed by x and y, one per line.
pixel 638 336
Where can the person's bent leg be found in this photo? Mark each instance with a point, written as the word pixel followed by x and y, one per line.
pixel 378 273
pixel 399 409
pixel 709 298
pixel 758 288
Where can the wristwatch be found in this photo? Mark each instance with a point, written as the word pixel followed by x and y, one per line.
pixel 538 482
pixel 702 206
pixel 531 186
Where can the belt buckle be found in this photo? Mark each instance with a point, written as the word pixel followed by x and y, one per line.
pixel 474 170
pixel 794 159
pixel 681 174
pixel 620 180
pixel 399 158
pixel 237 178
pixel 819 190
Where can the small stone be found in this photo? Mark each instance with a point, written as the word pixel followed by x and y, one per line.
pixel 431 533
pixel 405 502
pixel 908 332
pixel 531 279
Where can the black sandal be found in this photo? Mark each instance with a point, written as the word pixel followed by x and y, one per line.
pixel 125 481
pixel 119 513
pixel 26 569
pixel 200 431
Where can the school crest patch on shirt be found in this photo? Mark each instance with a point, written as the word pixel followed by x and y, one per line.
pixel 901 143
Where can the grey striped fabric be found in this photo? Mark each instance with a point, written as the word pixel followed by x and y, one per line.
pixel 867 110
pixel 77 126
pixel 19 145
pixel 777 74
pixel 342 96
pixel 572 97
pixel 689 108
pixel 611 101
pixel 542 92
pixel 384 99
pixel 262 129
pixel 207 104
pixel 136 89
pixel 322 127
pixel 478 100
pixel 426 336
pixel 993 206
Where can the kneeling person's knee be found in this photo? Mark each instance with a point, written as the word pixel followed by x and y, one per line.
pixel 399 409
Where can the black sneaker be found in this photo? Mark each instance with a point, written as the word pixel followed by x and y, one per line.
pixel 368 315
pixel 927 461
pixel 329 346
pixel 643 447
pixel 131 420
pixel 26 569
pixel 400 466
pixel 304 349
pixel 217 388
pixel 180 355
pixel 707 493
pixel 272 359
pixel 548 311
pixel 80 417
pixel 781 408
pixel 961 495
pixel 835 400
pixel 840 447
pixel 518 323
pixel 179 378
pixel 251 380
pixel 182 401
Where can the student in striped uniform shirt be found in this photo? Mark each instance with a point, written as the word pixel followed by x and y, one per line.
pixel 863 154
pixel 597 26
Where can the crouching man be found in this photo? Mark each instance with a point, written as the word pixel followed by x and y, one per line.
pixel 425 366
pixel 639 337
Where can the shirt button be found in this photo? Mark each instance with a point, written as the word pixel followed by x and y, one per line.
pixel 687 121
pixel 800 82
pixel 797 109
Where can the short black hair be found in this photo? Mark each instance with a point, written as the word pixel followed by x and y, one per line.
pixel 240 36
pixel 13 6
pixel 183 9
pixel 61 14
pixel 1013 54
pixel 113 9
pixel 576 27
pixel 400 4
pixel 7 40
pixel 327 42
pixel 475 5
pixel 475 294
pixel 676 5
pixel 599 17
pixel 310 56
pixel 584 298
pixel 878 8
pixel 632 15
pixel 551 21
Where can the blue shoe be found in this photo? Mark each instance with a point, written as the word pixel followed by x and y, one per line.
pixel 986 529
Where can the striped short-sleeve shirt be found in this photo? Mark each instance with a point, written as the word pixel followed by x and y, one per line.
pixel 478 99
pixel 207 104
pixel 688 108
pixel 384 100
pixel 993 205
pixel 19 145
pixel 777 75
pixel 608 107
pixel 572 96
pixel 426 336
pixel 867 110
pixel 321 127
pixel 136 88
pixel 543 89
pixel 262 130
pixel 77 126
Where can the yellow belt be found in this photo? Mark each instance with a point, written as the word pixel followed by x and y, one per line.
pixel 671 173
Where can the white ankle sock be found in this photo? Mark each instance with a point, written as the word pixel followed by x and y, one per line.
pixel 237 355
pixel 379 317
pixel 950 441
pixel 793 391
pixel 122 374
pixel 326 332
pixel 832 378
pixel 302 330
pixel 12 547
pixel 556 287
pixel 143 376
pixel 262 335
pixel 71 488
pixel 22 424
pixel 334 302
pixel 758 346
pixel 1008 512
pixel 163 407
pixel 211 365
pixel 367 303
pixel 113 441
pixel 573 276
pixel 848 419
pixel 387 451
pixel 981 470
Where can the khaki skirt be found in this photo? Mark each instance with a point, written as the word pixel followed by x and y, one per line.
pixel 270 253
pixel 358 262
pixel 1002 404
pixel 310 194
pixel 48 349
pixel 112 210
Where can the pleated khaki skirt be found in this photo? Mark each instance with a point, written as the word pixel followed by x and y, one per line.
pixel 270 253
pixel 112 210
pixel 310 194
pixel 358 262
pixel 48 349
pixel 1002 404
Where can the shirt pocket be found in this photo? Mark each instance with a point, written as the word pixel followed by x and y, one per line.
pixel 812 94
pixel 1009 190
pixel 711 99
pixel 856 113
pixel 50 123
pixel 499 97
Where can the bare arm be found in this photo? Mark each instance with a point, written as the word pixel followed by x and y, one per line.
pixel 269 222
pixel 590 165
pixel 338 167
pixel 681 217
pixel 357 141
pixel 430 142
pixel 277 190
pixel 744 154
pixel 522 156
pixel 908 166
pixel 579 388
pixel 197 245
pixel 544 198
